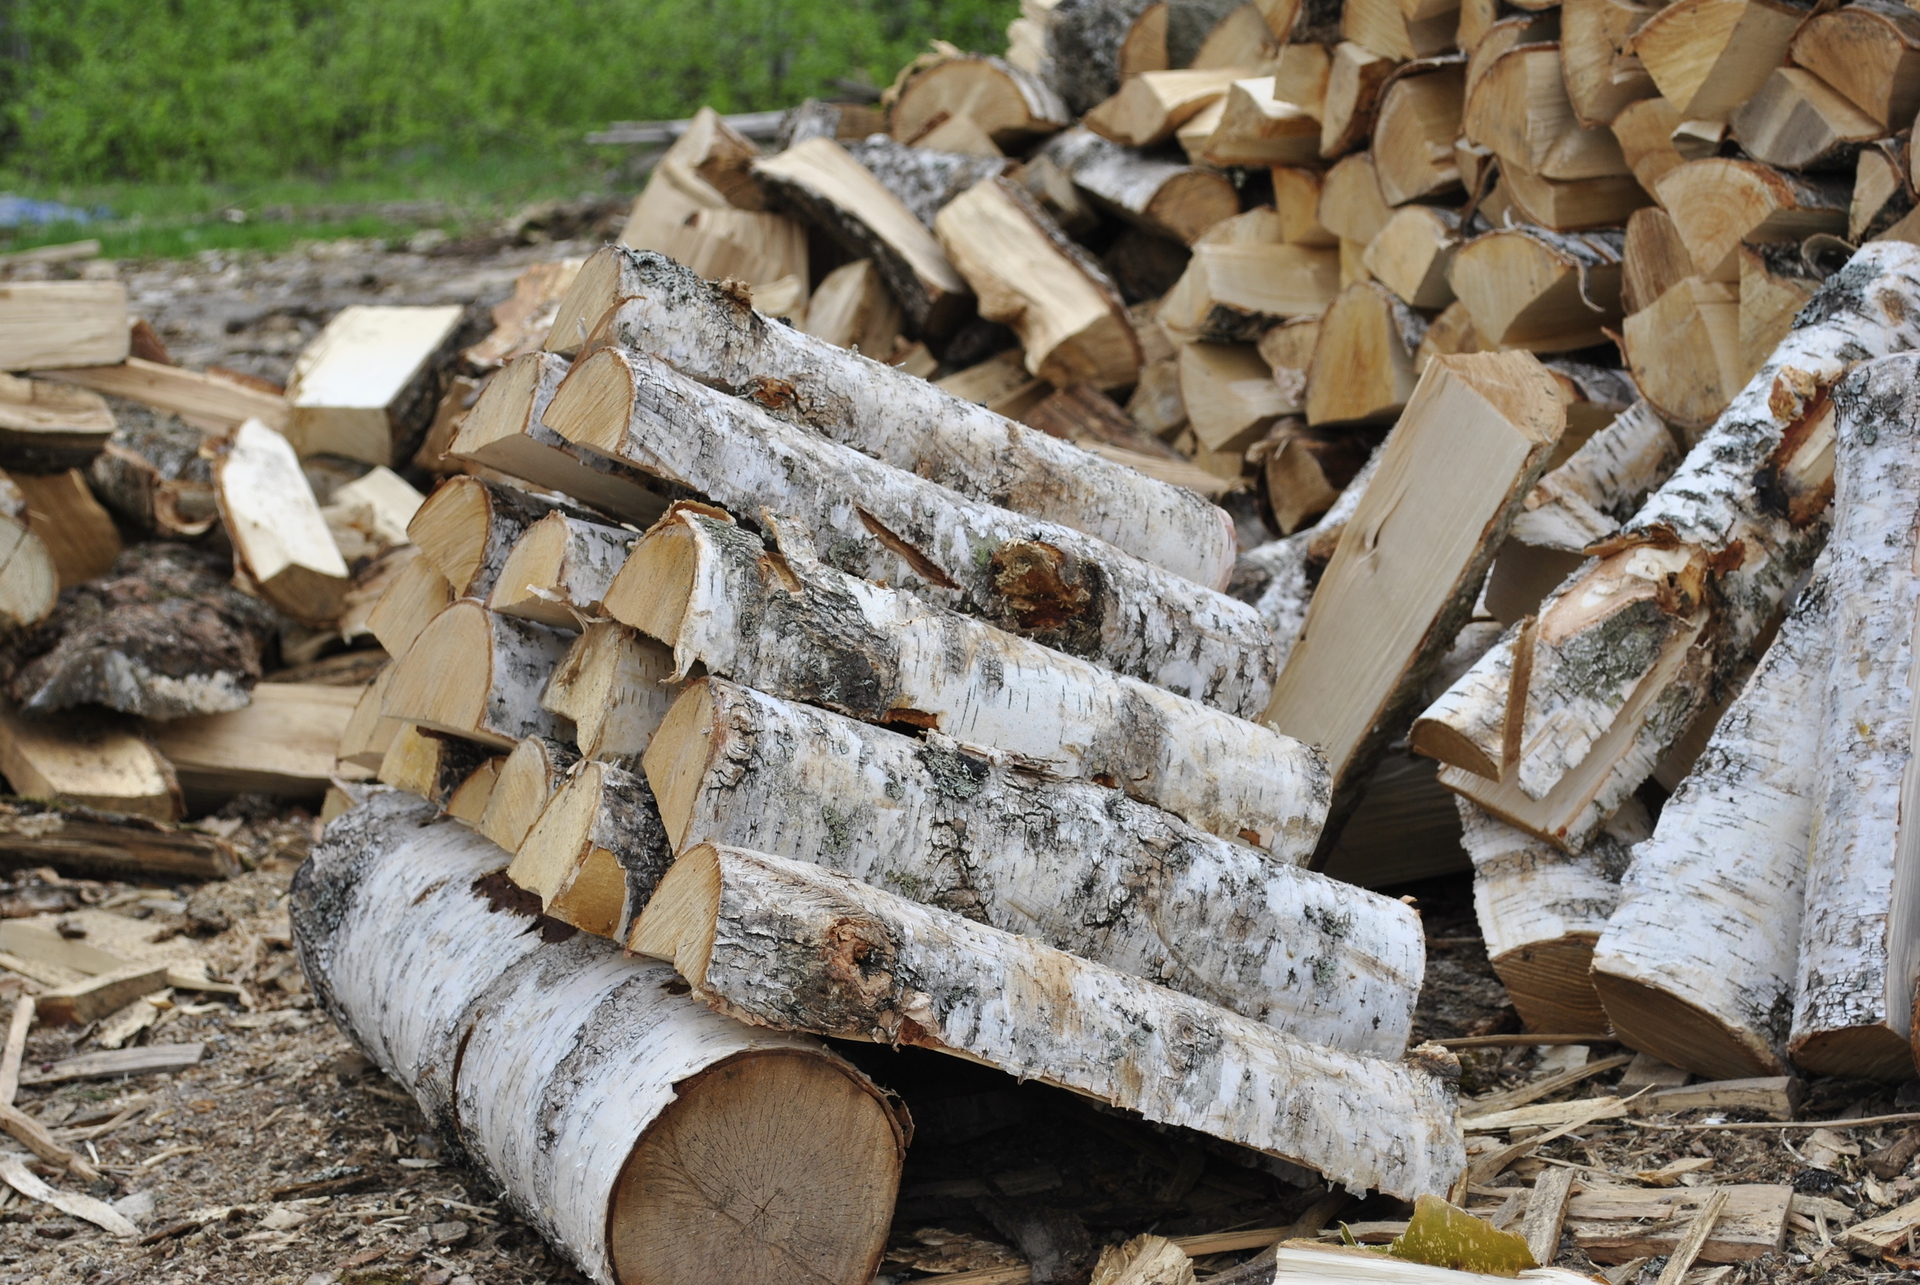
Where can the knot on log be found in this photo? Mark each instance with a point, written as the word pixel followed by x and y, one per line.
pixel 1045 590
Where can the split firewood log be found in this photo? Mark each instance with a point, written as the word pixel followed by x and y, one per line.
pixel 89 759
pixel 1541 911
pixel 718 597
pixel 1321 960
pixel 1401 31
pixel 1415 128
pixel 1490 423
pixel 1799 122
pixel 531 776
pixel 1539 290
pixel 1709 56
pixel 1033 577
pixel 1012 106
pixel 1853 1009
pixel 1601 78
pixel 924 178
pixel 1450 335
pixel 1233 293
pixel 152 473
pixel 1685 353
pixel 1412 253
pixel 30 578
pixel 1870 51
pixel 366 386
pixel 284 744
pixel 63 323
pixel 1351 206
pixel 1719 202
pixel 1645 129
pixel 1163 197
pixel 1653 259
pixel 468 526
pixel 1002 385
pixel 1258 127
pixel 1302 21
pixel 1230 396
pixel 835 193
pixel 1741 517
pixel 1028 275
pixel 1304 470
pixel 1568 205
pixel 1882 190
pixel 430 765
pixel 1296 199
pixel 558 570
pixel 414 597
pixel 1363 360
pixel 901 419
pixel 477 674
pixel 468 803
pixel 1519 108
pixel 1585 498
pixel 1727 864
pixel 1149 107
pixel 1218 33
pixel 522 321
pixel 1356 76
pixel 596 852
pixel 279 537
pixel 420 956
pixel 46 427
pixel 369 733
pixel 1088 43
pixel 163 635
pixel 1372 1123
pixel 615 687
pixel 851 308
pixel 959 136
pixel 1775 283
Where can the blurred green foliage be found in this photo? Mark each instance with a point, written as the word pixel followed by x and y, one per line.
pixel 179 91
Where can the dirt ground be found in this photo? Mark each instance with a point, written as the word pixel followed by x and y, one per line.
pixel 283 1158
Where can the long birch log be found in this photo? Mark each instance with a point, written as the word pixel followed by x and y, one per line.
pixel 790 945
pixel 477 674
pixel 698 328
pixel 783 622
pixel 1541 911
pixel 642 1135
pixel 1697 963
pixel 1854 1009
pixel 1142 891
pixel 1033 578
pixel 1720 543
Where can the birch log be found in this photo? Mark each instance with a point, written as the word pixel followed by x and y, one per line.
pixel 1697 963
pixel 615 687
pixel 467 527
pixel 1722 541
pixel 785 944
pixel 699 329
pixel 1600 485
pixel 643 1136
pixel 477 674
pixel 558 569
pixel 1541 911
pixel 1854 1008
pixel 783 622
pixel 1162 197
pixel 532 775
pixel 596 852
pixel 1043 581
pixel 1064 862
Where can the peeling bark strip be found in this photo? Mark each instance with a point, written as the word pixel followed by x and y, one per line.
pixel 699 329
pixel 789 625
pixel 1068 863
pixel 1600 485
pixel 1697 964
pixel 1717 546
pixel 1857 949
pixel 869 519
pixel 785 944
pixel 580 1083
pixel 1541 911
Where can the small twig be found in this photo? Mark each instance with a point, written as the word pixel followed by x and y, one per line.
pixel 16 1049
pixel 1520 1041
pixel 34 1135
pixel 1904 1117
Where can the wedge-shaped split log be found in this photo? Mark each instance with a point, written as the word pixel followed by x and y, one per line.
pixel 558 570
pixel 1317 958
pixel 1232 293
pixel 1163 197
pixel 477 674
pixel 614 1112
pixel 899 418
pixel 531 776
pixel 787 624
pixel 1539 290
pixel 416 594
pixel 365 386
pixel 1854 1008
pixel 615 687
pixel 430 765
pixel 596 851
pixel 1697 963
pixel 278 533
pixel 467 527
pixel 1610 676
pixel 781 943
pixel 1047 582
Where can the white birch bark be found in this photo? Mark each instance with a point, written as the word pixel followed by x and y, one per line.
pixel 1697 963
pixel 791 626
pixel 1126 181
pixel 1541 911
pixel 1065 862
pixel 703 332
pixel 1600 485
pixel 1732 530
pixel 786 944
pixel 548 1063
pixel 558 570
pixel 1279 567
pixel 870 519
pixel 1854 1009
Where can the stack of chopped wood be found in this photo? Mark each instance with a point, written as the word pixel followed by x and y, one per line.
pixel 891 704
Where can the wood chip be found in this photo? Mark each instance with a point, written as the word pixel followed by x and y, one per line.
pixel 152 1059
pixel 14 1171
pixel 1546 1213
pixel 16 1048
pixel 1694 1241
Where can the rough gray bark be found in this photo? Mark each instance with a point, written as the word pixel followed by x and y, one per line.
pixel 923 179
pixel 596 852
pixel 151 474
pixel 1040 580
pixel 1084 39
pixel 163 635
pixel 784 944
pixel 704 332
pixel 1142 891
